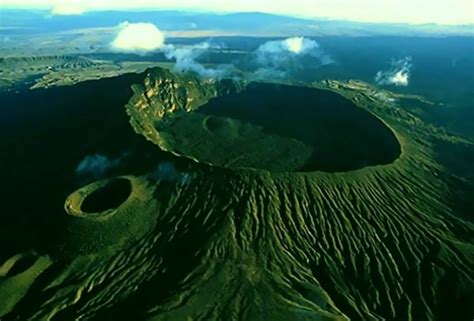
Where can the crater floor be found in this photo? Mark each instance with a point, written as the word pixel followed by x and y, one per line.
pixel 283 128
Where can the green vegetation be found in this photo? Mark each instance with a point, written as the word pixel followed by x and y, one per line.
pixel 384 240
pixel 17 275
pixel 110 196
pixel 282 128
pixel 50 71
pixel 99 222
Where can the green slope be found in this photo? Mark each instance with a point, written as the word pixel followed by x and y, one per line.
pixel 382 242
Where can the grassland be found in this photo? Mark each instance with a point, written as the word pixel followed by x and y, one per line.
pixel 52 71
pixel 386 241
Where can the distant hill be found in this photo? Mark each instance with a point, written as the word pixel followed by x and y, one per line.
pixel 52 62
pixel 22 21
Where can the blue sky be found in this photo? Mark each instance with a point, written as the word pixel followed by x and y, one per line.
pixel 407 11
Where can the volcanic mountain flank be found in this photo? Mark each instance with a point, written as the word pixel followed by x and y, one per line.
pixel 285 202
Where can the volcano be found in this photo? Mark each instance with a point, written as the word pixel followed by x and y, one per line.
pixel 283 202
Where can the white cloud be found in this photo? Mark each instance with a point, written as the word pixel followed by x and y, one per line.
pixel 300 45
pixel 68 8
pixel 276 58
pixel 96 165
pixel 400 78
pixel 138 37
pixel 293 46
pixel 145 37
pixel 280 51
pixel 167 172
pixel 185 58
pixel 398 75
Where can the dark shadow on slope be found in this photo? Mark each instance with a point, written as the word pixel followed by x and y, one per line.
pixel 47 133
pixel 458 159
pixel 22 264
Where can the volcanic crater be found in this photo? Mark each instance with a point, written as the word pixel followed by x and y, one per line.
pixel 304 129
pixel 109 196
pixel 265 126
pixel 371 243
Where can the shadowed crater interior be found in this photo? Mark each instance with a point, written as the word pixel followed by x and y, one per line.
pixel 21 264
pixel 284 128
pixel 109 196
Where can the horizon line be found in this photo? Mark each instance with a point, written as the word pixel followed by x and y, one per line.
pixel 193 10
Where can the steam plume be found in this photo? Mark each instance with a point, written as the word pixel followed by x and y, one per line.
pixel 398 75
pixel 186 59
pixel 96 165
pixel 277 58
pixel 146 37
pixel 167 172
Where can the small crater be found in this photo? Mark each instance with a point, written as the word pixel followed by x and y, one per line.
pixel 220 126
pixel 109 196
pixel 213 123
pixel 21 263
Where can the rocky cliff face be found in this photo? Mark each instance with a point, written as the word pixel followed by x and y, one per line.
pixel 164 94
